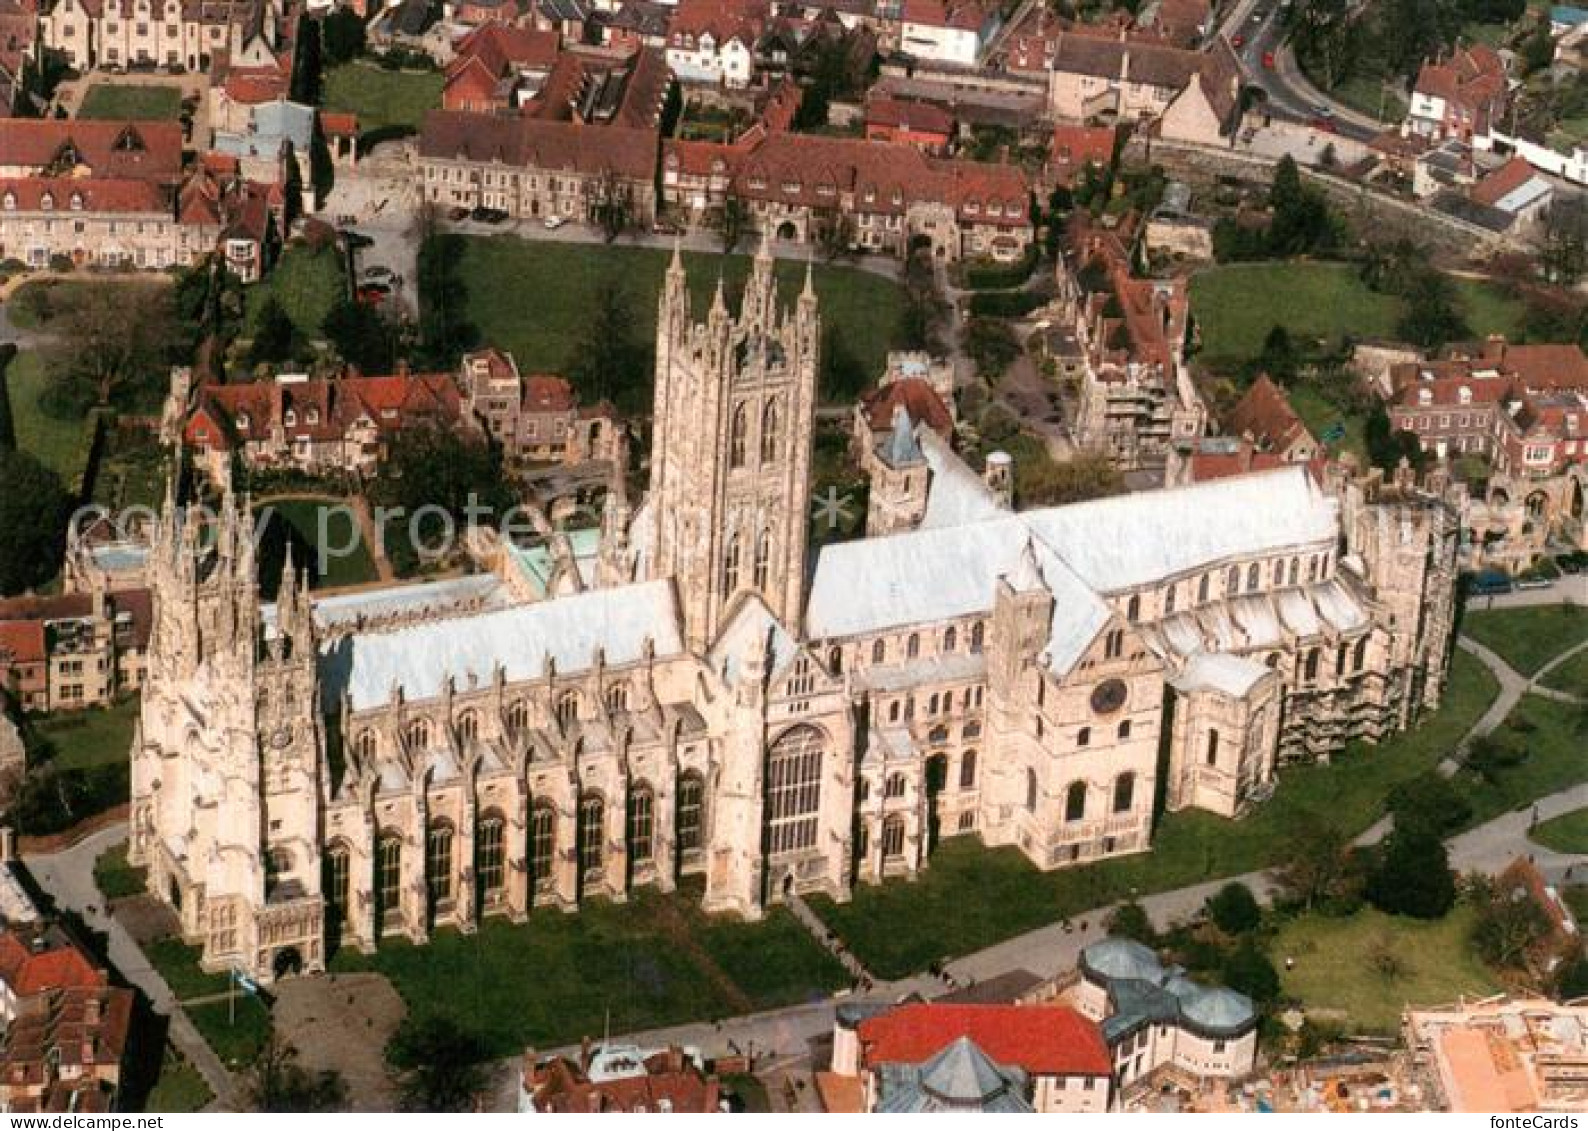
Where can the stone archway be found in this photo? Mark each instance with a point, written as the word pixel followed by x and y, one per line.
pixel 787 231
pixel 287 963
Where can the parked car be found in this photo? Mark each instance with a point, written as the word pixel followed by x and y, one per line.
pixel 458 214
pixel 372 294
pixel 1268 60
pixel 1533 583
pixel 555 222
pixel 1490 583
pixel 489 215
pixel 666 228
pixel 1238 41
pixel 379 274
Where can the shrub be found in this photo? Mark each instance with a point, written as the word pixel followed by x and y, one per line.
pixel 1000 276
pixel 1234 910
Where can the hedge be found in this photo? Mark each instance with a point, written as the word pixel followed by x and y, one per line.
pixel 998 276
pixel 1005 304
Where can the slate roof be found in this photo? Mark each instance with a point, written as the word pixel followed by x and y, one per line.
pixel 449 135
pixel 1142 991
pixel 961 1078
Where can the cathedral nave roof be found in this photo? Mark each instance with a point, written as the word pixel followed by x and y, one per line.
pixel 419 658
pixel 955 495
pixel 1220 671
pixel 957 667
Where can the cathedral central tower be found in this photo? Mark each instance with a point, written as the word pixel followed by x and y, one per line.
pixel 731 448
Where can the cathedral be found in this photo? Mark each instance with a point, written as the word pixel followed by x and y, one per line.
pixel 702 698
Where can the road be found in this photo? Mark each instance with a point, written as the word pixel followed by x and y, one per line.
pixel 68 876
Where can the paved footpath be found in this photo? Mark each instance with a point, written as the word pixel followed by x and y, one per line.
pixel 68 876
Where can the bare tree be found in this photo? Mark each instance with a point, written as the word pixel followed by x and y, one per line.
pixel 613 209
pixel 733 221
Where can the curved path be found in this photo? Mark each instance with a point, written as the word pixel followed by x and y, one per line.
pixel 68 876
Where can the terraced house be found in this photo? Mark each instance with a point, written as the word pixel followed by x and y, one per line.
pixel 707 698
pixel 173 34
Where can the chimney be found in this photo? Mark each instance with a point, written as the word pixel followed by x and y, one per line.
pixel 584 1055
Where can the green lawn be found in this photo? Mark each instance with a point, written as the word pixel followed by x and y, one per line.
pixel 132 103
pixel 1527 638
pixel 307 282
pixel 1571 675
pixel 1566 833
pixel 972 897
pixel 97 736
pixel 59 444
pixel 115 878
pixel 642 964
pixel 1366 95
pixel 237 1038
pixel 380 97
pixel 180 1088
pixel 1320 414
pixel 533 297
pixel 1577 899
pixel 178 964
pixel 304 517
pixel 1554 760
pixel 1238 304
pixel 1335 964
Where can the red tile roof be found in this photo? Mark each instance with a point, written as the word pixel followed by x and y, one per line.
pixel 1473 78
pixel 560 1085
pixel 1493 187
pixel 963 15
pixel 721 19
pixel 919 399
pixel 22 642
pixel 917 117
pixel 28 971
pixel 546 392
pixel 1045 1040
pixel 1075 147
pixel 85 194
pixel 338 125
pixel 530 143
pixel 1265 414
pixel 137 150
pixel 322 410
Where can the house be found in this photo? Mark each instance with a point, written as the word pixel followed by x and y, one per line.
pixel 1517 191
pixel 180 34
pixel 793 184
pixel 532 168
pixel 67 1028
pixel 1075 148
pixel 1505 1055
pixel 536 418
pixel 1059 1061
pixel 1192 95
pixel 496 67
pixel 1157 1022
pixel 947 31
pixel 608 1078
pixel 635 24
pixel 894 120
pixel 241 219
pixel 81 148
pixel 276 132
pixel 342 424
pixel 1459 96
pixel 1265 417
pixel 19 35
pixel 235 91
pixel 74 650
pixel 713 41
pixel 1137 399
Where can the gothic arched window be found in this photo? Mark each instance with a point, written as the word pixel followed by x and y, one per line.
pixel 567 709
pixel 490 855
pixel 967 770
pixel 337 861
pixel 389 872
pixel 688 811
pixel 1202 589
pixel 912 646
pixel 730 565
pixel 1251 577
pixel 977 635
pixel 542 843
pixel 1075 801
pixel 879 652
pixel 642 824
pixel 1133 609
pixel 769 432
pixel 438 861
pixel 418 733
pixel 592 813
pixel 763 557
pixel 468 726
pixel 793 790
pixel 618 698
pixel 950 638
pixel 364 746
pixel 736 437
pixel 893 837
pixel 516 717
pixel 1124 792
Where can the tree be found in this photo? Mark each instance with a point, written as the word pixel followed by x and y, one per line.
pixel 111 353
pixel 291 187
pixel 923 313
pixel 1387 446
pixel 1413 876
pixel 361 335
pixel 1563 241
pixel 1509 923
pixel 1573 981
pixel 992 345
pixel 613 209
pixel 442 1064
pixel 434 467
pixel 306 63
pixel 1312 864
pixel 278 1083
pixel 733 219
pixel 1321 33
pixel 1130 921
pixel 342 36
pixel 1280 358
pixel 1249 971
pixel 33 512
pixel 844 375
pixel 834 235
pixel 1430 803
pixel 1538 49
pixel 8 432
pixel 1234 909
pixel 1433 315
pixel 444 333
pixel 1301 222
pixel 1490 755
pixel 610 362
pixel 1040 481
pixel 275 337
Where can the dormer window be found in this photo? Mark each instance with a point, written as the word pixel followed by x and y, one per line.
pixel 77 202
pixel 791 187
pixel 1465 395
pixel 994 208
pixel 242 422
pixel 313 416
pixel 290 418
pixel 1425 396
pixel 826 189
pixel 758 183
pixel 898 196
pixel 10 202
pixel 871 195
pixel 971 207
pixel 47 202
